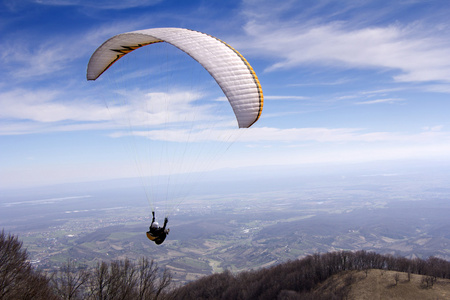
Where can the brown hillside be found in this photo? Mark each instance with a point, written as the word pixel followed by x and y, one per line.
pixel 381 284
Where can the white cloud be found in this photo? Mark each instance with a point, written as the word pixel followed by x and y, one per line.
pixel 339 81
pixel 438 88
pixel 142 114
pixel 50 110
pixel 291 97
pixel 99 4
pixel 417 53
pixel 341 135
pixel 434 128
pixel 41 59
pixel 46 107
pixel 293 136
pixel 30 57
pixel 383 100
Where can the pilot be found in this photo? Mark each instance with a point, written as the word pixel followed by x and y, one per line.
pixel 156 233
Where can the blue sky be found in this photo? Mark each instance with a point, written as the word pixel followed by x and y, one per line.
pixel 344 82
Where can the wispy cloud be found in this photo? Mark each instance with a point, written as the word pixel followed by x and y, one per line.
pixel 265 134
pixel 46 107
pixel 31 61
pixel 141 114
pixel 50 110
pixel 99 4
pixel 290 97
pixel 438 88
pixel 323 83
pixel 326 135
pixel 377 101
pixel 30 57
pixel 293 136
pixel 416 52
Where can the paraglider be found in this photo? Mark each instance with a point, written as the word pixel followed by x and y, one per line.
pixel 227 66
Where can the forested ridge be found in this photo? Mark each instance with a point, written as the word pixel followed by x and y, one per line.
pixel 297 279
pixel 123 279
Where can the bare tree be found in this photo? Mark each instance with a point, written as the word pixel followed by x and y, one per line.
pixel 426 281
pixel 18 280
pixel 125 280
pixel 163 283
pixel 147 274
pixel 69 281
pixel 397 278
pixel 366 271
pixel 122 281
pixel 98 282
pixel 13 264
pixel 149 286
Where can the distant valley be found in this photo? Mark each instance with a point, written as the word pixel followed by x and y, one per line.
pixel 238 230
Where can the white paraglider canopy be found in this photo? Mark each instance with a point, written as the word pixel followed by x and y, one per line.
pixel 228 67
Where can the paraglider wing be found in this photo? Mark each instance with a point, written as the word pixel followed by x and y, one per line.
pixel 228 67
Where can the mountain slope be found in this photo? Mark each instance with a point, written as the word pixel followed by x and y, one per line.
pixel 382 284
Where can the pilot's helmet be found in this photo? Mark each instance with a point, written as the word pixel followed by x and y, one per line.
pixel 155 225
